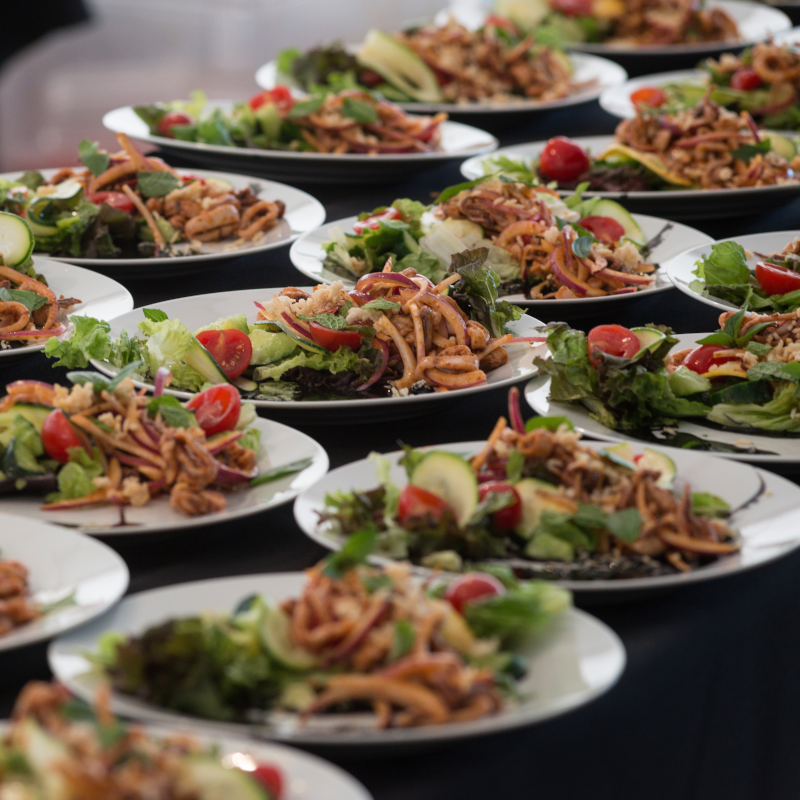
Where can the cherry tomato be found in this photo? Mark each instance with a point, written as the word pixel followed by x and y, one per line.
pixel 563 160
pixel 58 436
pixel 332 340
pixel 416 502
pixel 217 408
pixel 173 118
pixel 114 199
pixel 374 222
pixel 280 97
pixel 502 23
pixel 614 340
pixel 648 97
pixel 604 229
pixel 745 79
pixel 271 778
pixel 369 78
pixel 776 280
pixel 230 348
pixel 472 587
pixel 703 357
pixel 507 518
pixel 573 8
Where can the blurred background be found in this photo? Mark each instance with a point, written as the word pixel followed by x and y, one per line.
pixel 54 91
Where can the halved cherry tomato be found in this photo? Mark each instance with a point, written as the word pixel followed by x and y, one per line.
pixel 501 22
pixel 230 348
pixel 573 8
pixel 58 436
pixel 416 503
pixel 271 778
pixel 507 518
pixel 332 340
pixel 280 96
pixel 776 280
pixel 604 229
pixel 117 200
pixel 648 97
pixel 373 222
pixel 369 78
pixel 472 587
pixel 614 340
pixel 173 118
pixel 217 408
pixel 745 79
pixel 563 160
pixel 702 358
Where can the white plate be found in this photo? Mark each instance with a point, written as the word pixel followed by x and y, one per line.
pixel 578 660
pixel 60 564
pixel 303 213
pixel 307 255
pixel 306 776
pixel 673 204
pixel 280 445
pixel 755 22
pixel 457 141
pixel 681 267
pixel 101 297
pixel 617 99
pixel 768 522
pixel 195 312
pixel 604 73
pixel 780 449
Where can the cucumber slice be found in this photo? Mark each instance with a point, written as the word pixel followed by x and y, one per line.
pixel 34 414
pixel 66 196
pixel 199 359
pixel 16 239
pixel 211 780
pixel 42 751
pixel 649 338
pixel 782 145
pixel 270 347
pixel 608 208
pixel 277 640
pixel 546 547
pixel 237 321
pixel 304 343
pixel 621 454
pixel 450 477
pixel 399 66
pixel 38 229
pixel 656 461
pixel 19 461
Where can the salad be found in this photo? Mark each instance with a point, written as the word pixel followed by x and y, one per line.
pixel 440 64
pixel 16 607
pixel 395 334
pixel 100 441
pixel 60 748
pixel 357 639
pixel 126 205
pixel 774 284
pixel 537 500
pixel 623 23
pixel 702 147
pixel 348 121
pixel 742 377
pixel 763 80
pixel 538 245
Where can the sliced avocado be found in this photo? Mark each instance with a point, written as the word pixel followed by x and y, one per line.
pixel 684 381
pixel 237 321
pixel 546 547
pixel 608 208
pixel 782 145
pixel 401 67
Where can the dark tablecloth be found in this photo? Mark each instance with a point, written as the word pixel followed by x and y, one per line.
pixel 709 704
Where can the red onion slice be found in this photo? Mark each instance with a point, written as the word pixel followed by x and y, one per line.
pixel 163 379
pixel 376 376
pixel 220 442
pixel 624 277
pixel 34 334
pixel 514 412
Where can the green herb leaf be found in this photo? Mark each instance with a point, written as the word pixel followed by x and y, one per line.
pixel 102 381
pixel 157 184
pixel 625 525
pixel 550 423
pixel 403 639
pixel 515 465
pixel 281 472
pixel 719 338
pixel 172 412
pixel 747 152
pixel 332 321
pixel 154 314
pixel 305 107
pixel 582 246
pixel 354 552
pixel 758 349
pixel 381 304
pixel 733 324
pixel 775 371
pixel 753 331
pixel 30 300
pixel 95 161
pixel 359 110
pixel 709 505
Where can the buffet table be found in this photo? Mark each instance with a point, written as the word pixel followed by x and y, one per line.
pixel 709 704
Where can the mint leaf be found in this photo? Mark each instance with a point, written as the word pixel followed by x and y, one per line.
pixel 157 184
pixel 403 639
pixel 95 161
pixel 381 304
pixel 775 371
pixel 332 321
pixel 154 314
pixel 30 300
pixel 582 246
pixel 515 465
pixel 359 110
pixel 172 412
pixel 354 552
pixel 758 349
pixel 625 524
pixel 749 151
pixel 305 107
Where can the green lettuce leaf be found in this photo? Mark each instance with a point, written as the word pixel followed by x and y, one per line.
pixel 780 414
pixel 725 264
pixel 90 340
pixel 343 360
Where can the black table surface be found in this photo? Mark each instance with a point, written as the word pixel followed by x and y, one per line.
pixel 709 704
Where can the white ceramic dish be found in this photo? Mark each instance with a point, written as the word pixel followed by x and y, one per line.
pixel 600 73
pixel 280 445
pixel 458 141
pixel 307 256
pixel 101 297
pixel 575 662
pixel 303 213
pixel 201 310
pixel 61 565
pixel 681 268
pixel 688 204
pixel 778 449
pixel 617 99
pixel 768 522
